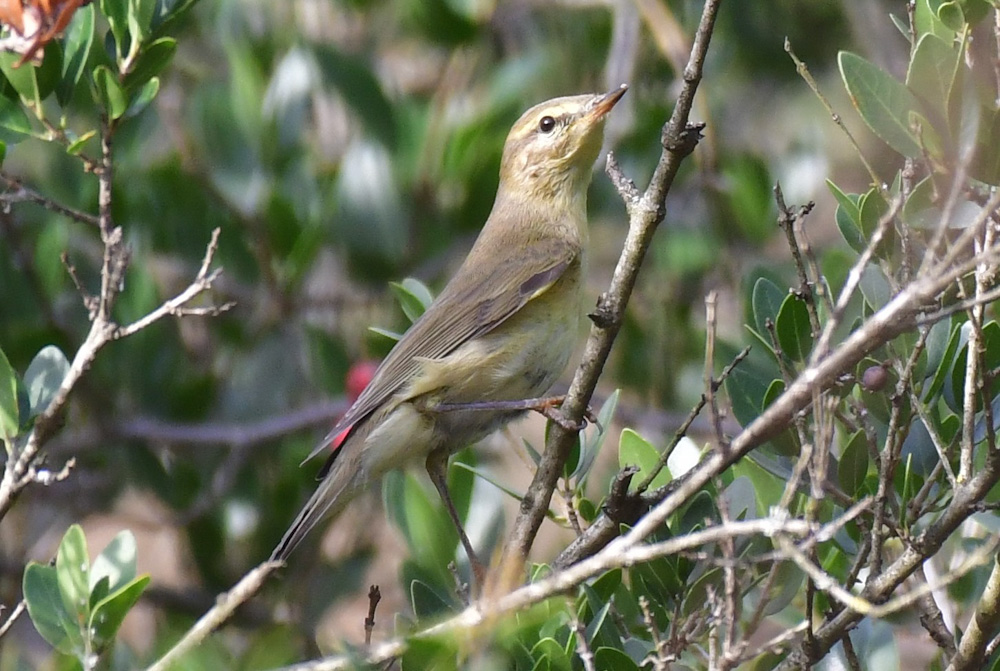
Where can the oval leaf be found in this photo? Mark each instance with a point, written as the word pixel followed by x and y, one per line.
pixel 634 450
pixel 853 466
pixel 72 569
pixel 766 303
pixel 884 103
pixel 44 375
pixel 76 44
pixel 108 92
pixel 793 328
pixel 9 415
pixel 40 587
pixel 746 391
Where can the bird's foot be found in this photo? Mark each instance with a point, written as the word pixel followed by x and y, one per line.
pixel 552 409
pixel 549 406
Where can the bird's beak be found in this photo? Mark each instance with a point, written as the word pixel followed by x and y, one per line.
pixel 603 104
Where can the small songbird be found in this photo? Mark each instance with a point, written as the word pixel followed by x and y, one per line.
pixel 500 332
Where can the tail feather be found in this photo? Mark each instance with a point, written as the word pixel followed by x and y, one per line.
pixel 332 495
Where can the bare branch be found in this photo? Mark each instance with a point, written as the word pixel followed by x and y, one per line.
pixel 679 139
pixel 224 607
pixel 19 193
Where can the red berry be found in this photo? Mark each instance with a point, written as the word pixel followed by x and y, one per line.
pixel 358 377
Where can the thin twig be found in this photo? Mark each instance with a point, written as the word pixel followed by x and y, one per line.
pixel 224 607
pixel 19 193
pixel 803 71
pixel 682 430
pixel 374 596
pixel 19 609
pixel 582 646
pixel 709 376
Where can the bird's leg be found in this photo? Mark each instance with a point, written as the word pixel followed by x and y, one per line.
pixel 547 406
pixel 437 469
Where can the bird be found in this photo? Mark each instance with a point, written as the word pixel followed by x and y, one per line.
pixel 497 336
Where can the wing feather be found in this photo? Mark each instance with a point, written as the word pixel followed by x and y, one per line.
pixel 474 302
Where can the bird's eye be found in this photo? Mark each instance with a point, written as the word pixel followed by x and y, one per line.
pixel 546 124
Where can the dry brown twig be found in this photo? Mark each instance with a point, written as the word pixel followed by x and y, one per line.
pixel 19 468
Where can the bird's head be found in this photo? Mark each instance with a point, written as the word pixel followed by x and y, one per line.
pixel 551 150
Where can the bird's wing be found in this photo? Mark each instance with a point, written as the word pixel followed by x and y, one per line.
pixel 464 310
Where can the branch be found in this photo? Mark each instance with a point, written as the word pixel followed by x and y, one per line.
pixel 645 213
pixel 231 434
pixel 176 305
pixel 223 609
pixel 626 551
pixel 21 194
pixel 18 472
pixel 965 503
pixel 984 626
pixel 900 314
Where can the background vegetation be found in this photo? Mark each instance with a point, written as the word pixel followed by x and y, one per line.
pixel 340 146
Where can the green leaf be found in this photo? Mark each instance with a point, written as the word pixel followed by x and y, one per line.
pixel 936 346
pixel 430 533
pixel 884 103
pixel 849 230
pixel 793 328
pixel 9 415
pixel 49 71
pixel 872 207
pixel 72 571
pixel 933 69
pixel 40 587
pixel 788 580
pixel 875 287
pixel 605 585
pixel 426 601
pixel 766 304
pixel 990 344
pixel 975 10
pixel 594 440
pixel 741 499
pixel 634 450
pixel 22 79
pixel 141 100
pixel 920 210
pixel 746 391
pixel 413 296
pixel 153 58
pixel 847 201
pixel 140 16
pixel 848 216
pixel 44 375
pixel 109 613
pixel 951 15
pixel 386 333
pixel 116 12
pixel 612 658
pixel 169 11
pixel 853 465
pixel 925 19
pixel 786 442
pixel 116 562
pixel 77 145
pixel 944 367
pixel 108 92
pixel 79 38
pixel 986 161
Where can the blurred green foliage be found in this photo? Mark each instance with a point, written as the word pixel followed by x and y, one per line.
pixel 343 145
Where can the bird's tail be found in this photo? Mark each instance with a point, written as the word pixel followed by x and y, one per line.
pixel 340 485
